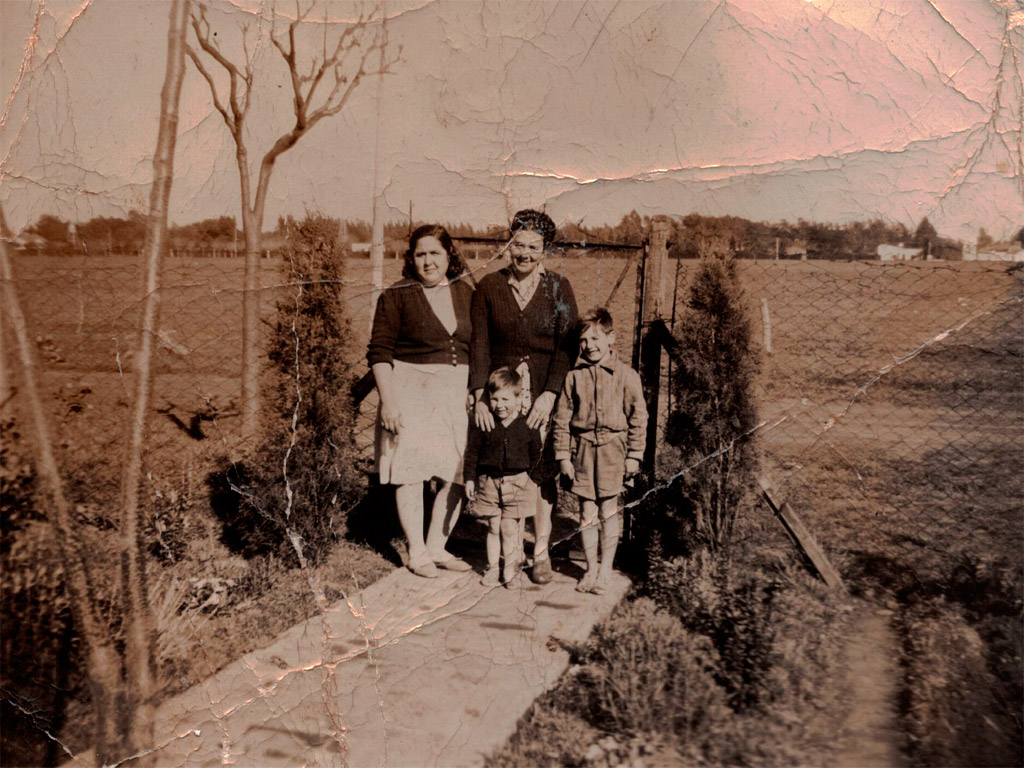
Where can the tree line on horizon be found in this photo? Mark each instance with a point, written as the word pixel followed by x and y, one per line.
pixel 734 234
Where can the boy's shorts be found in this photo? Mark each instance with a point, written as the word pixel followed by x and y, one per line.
pixel 600 463
pixel 510 496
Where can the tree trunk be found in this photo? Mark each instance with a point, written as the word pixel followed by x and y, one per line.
pixel 140 660
pixel 103 663
pixel 252 224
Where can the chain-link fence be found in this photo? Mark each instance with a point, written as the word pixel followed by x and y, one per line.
pixel 892 396
pixel 892 408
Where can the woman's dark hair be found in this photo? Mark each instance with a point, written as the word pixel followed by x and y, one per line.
pixel 456 264
pixel 534 221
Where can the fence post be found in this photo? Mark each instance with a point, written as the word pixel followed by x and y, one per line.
pixel 766 321
pixel 653 307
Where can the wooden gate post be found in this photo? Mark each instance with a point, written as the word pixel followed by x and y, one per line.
pixel 652 332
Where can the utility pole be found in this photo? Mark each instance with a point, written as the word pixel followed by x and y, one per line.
pixel 377 235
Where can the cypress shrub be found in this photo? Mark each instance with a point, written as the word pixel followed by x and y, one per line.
pixel 714 413
pixel 291 497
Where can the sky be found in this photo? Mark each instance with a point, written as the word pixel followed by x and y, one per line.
pixel 829 110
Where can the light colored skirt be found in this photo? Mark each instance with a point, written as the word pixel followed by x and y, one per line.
pixel 432 440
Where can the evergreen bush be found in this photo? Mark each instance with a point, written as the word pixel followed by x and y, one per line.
pixel 709 596
pixel 714 414
pixel 643 672
pixel 291 497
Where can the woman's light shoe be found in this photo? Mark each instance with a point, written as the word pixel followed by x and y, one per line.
pixel 454 563
pixel 426 569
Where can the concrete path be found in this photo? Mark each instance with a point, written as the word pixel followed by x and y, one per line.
pixel 410 672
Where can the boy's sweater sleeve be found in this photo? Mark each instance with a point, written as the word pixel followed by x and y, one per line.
pixel 469 458
pixel 561 439
pixel 636 416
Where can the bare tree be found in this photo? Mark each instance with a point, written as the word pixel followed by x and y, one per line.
pixel 121 676
pixel 319 90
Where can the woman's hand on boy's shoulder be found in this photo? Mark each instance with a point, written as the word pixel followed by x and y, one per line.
pixel 482 416
pixel 541 410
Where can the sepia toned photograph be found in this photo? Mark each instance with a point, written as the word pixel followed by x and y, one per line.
pixel 451 383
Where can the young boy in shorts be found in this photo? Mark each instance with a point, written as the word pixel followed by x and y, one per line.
pixel 600 431
pixel 497 467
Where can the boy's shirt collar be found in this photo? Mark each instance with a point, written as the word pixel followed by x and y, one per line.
pixel 608 363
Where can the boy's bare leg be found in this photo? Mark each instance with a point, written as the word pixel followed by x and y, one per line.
pixel 610 529
pixel 542 525
pixel 490 578
pixel 493 541
pixel 512 547
pixel 589 535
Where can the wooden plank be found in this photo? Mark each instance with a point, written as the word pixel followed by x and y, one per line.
pixel 363 387
pixel 800 534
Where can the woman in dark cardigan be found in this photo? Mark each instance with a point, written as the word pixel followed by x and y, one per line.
pixel 523 317
pixel 419 355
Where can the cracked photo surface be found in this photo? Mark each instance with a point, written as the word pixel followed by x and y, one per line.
pixel 464 383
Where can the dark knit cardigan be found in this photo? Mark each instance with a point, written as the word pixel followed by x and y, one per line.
pixel 502 451
pixel 542 333
pixel 405 327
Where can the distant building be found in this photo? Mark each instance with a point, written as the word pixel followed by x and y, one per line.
pixel 29 241
pixel 1011 251
pixel 888 252
pixel 796 250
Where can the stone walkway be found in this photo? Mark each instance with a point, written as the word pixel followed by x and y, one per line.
pixel 410 672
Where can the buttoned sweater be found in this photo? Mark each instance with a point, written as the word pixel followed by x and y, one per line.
pixel 405 328
pixel 505 450
pixel 541 333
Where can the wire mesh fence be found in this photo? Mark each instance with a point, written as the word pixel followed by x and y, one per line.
pixel 892 397
pixel 892 407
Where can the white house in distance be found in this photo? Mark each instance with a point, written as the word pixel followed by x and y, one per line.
pixel 888 252
pixel 1012 250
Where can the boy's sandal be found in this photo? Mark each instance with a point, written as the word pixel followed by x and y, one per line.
pixel 587 582
pixel 491 577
